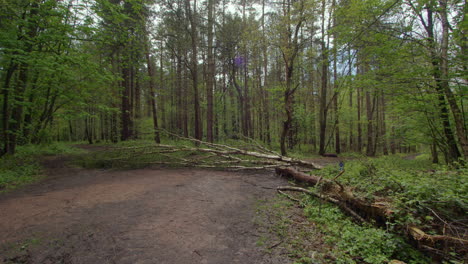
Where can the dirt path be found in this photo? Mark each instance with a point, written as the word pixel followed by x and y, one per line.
pixel 172 216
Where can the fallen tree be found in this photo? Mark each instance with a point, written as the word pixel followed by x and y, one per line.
pixel 380 211
pixel 210 155
pixel 196 153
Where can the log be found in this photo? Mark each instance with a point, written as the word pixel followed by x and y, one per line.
pixel 420 235
pixel 229 150
pixel 329 199
pixel 380 212
pixel 297 175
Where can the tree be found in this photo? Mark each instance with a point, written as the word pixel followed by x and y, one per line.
pixel 289 27
pixel 211 72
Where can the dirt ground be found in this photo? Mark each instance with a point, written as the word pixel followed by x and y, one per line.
pixel 172 216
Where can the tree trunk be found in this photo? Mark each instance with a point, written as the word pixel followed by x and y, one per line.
pixel 125 107
pixel 335 85
pixel 185 102
pixel 180 95
pixel 351 135
pixel 359 126
pixel 434 154
pixel 439 68
pixel 370 125
pixel 323 100
pixel 288 105
pixel 150 64
pixel 5 110
pixel 192 16
pixel 162 94
pixel 324 86
pixel 266 108
pixel 211 73
pixel 383 126
pixel 444 80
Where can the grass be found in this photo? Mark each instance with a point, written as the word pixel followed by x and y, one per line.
pixel 24 167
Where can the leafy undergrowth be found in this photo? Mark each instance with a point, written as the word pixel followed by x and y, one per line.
pixel 434 198
pixel 24 167
pixel 353 243
pixel 321 233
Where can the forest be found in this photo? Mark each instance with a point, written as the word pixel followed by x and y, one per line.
pixel 375 77
pixel 254 84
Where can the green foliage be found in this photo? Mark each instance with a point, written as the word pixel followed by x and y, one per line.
pixel 24 167
pixel 418 192
pixel 352 243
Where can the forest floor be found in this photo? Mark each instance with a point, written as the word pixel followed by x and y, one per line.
pixel 151 215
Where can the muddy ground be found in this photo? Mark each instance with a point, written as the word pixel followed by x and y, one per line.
pixel 153 215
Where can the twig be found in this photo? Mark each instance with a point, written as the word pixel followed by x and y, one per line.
pixel 336 177
pixel 289 196
pixel 275 245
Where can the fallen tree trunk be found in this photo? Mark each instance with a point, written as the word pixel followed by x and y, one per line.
pixel 329 199
pixel 371 211
pixel 380 212
pixel 218 155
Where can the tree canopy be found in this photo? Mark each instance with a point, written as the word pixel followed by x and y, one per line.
pixel 321 76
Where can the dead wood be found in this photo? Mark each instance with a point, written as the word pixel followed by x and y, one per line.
pixel 420 235
pixel 263 153
pixel 359 209
pixel 326 198
pixel 215 155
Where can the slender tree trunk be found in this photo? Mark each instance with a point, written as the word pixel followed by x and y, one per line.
pixel 125 107
pixel 185 104
pixel 5 109
pixel 324 86
pixel 289 53
pixel 370 125
pixel 383 126
pixel 137 106
pixel 351 127
pixel 438 68
pixel 28 118
pixel 180 95
pixel 266 109
pixel 211 73
pixel 335 86
pixel 192 15
pixel 434 154
pixel 359 125
pixel 288 104
pixel 444 80
pixel 17 112
pixel 88 134
pixel 162 94
pixel 71 135
pixel 150 64
pixel 392 141
pixel 323 100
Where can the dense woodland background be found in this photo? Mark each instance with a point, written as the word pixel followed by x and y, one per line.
pixel 317 76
